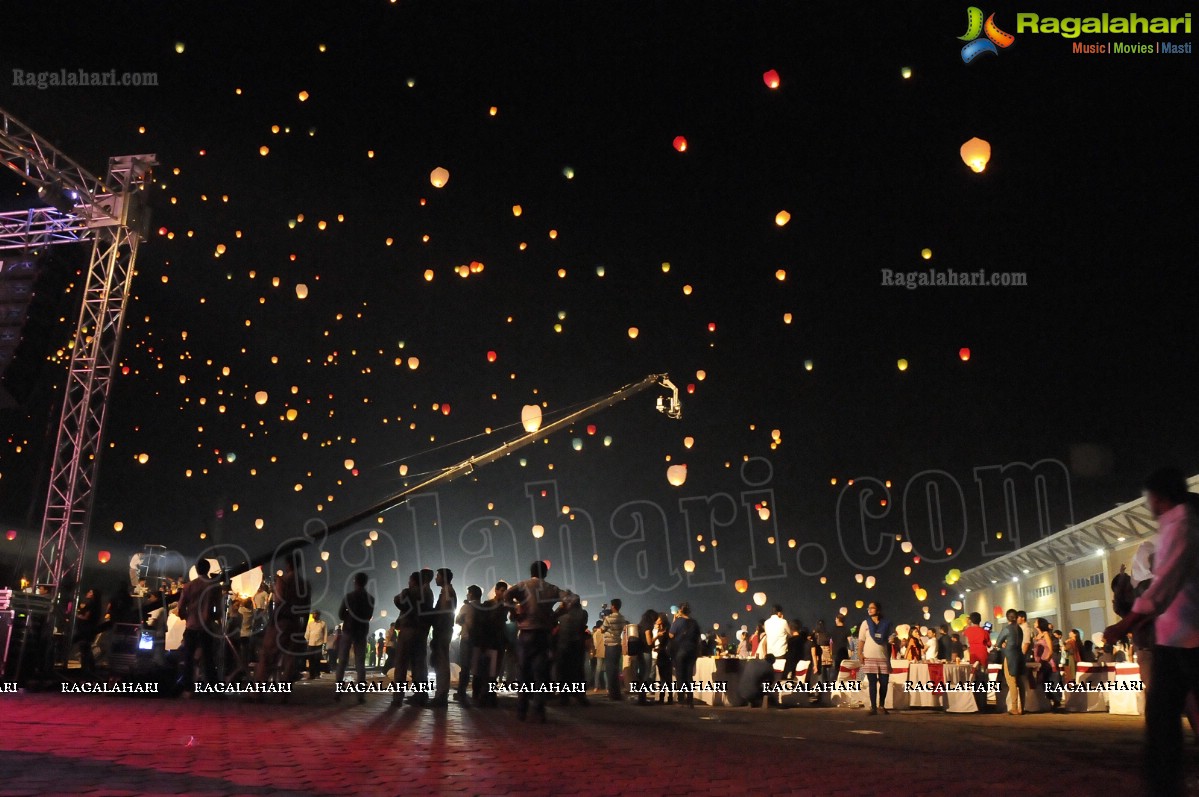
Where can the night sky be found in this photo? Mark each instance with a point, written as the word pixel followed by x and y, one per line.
pixel 1090 191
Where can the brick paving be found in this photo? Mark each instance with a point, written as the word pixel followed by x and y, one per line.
pixel 315 747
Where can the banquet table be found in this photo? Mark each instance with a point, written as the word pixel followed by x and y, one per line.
pixel 705 672
pixel 952 675
pixel 1089 673
pixel 1132 699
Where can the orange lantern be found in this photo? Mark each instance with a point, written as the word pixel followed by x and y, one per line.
pixel 741 585
pixel 104 556
pixel 680 143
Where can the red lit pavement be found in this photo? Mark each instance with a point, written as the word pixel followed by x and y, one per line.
pixel 219 745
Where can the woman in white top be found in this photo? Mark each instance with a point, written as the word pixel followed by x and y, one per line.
pixel 873 641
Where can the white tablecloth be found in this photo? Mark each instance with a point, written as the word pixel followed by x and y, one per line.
pixel 958 702
pixel 705 671
pixel 1131 701
pixel 1088 673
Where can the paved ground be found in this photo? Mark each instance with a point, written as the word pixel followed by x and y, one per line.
pixel 312 746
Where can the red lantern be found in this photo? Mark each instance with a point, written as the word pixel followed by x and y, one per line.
pixel 691 388
pixel 591 428
pixel 771 78
pixel 964 353
pixel 445 409
pixel 491 356
pixel 999 611
pixel 680 143
pixel 104 556
pixel 11 535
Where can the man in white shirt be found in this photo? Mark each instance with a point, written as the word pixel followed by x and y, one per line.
pixel 316 634
pixel 778 632
pixel 1172 604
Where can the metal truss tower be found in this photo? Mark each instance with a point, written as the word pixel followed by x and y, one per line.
pixel 110 213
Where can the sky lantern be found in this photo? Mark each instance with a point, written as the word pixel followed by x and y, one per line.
pixel 445 409
pixel 292 414
pixel 180 47
pixel 964 354
pixel 301 291
pixel 905 546
pixel 530 416
pixel 403 470
pixel 676 475
pixel 104 556
pixel 949 614
pixel 143 458
pixel 921 594
pixel 808 365
pixel 771 78
pixel 870 582
pixel 349 464
pixel 592 428
pixel 538 531
pixel 492 356
pixel 764 512
pixel 781 218
pixel 439 177
pixel 688 441
pixel 741 585
pixel 976 153
pixel 926 253
pixel 858 604
pixel 858 577
pixel 303 95
pixel 576 443
pixel 906 73
pixel 701 375
pixel 680 143
pixel 688 566
pixel 517 210
pixel 413 363
pixel 780 275
pixel 760 598
pixel 260 397
pixel 902 364
pixel 633 333
pixel 568 172
pixel 264 150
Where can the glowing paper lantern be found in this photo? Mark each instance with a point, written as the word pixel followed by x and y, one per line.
pixel 104 556
pixel 11 535
pixel 530 417
pixel 906 72
pixel 680 143
pixel 689 566
pixel 870 582
pixel 771 78
pixel 760 598
pixel 676 475
pixel 349 464
pixel 143 458
pixel 976 153
pixel 292 414
pixel 858 577
pixel 576 444
pixel 902 364
pixel 949 615
pixel 764 513
pixel 781 218
pixel 180 47
pixel 117 527
pixel 260 397
pixel 964 354
pixel 301 291
pixel 491 356
pixel 926 253
pixel 538 531
pixel 413 363
pixel 403 470
pixel 808 365
pixel 921 594
pixel 905 546
pixel 688 442
pixel 741 585
pixel 634 332
pixel 439 177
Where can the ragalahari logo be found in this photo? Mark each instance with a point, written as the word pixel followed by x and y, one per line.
pixel 975 27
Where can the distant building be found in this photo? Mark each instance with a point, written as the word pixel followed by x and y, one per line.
pixel 1066 577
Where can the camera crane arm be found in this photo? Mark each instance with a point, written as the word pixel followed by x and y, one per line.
pixel 670 406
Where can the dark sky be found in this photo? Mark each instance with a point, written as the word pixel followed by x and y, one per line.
pixel 1090 192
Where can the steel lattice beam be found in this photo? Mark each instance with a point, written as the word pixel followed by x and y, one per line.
pixel 39 227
